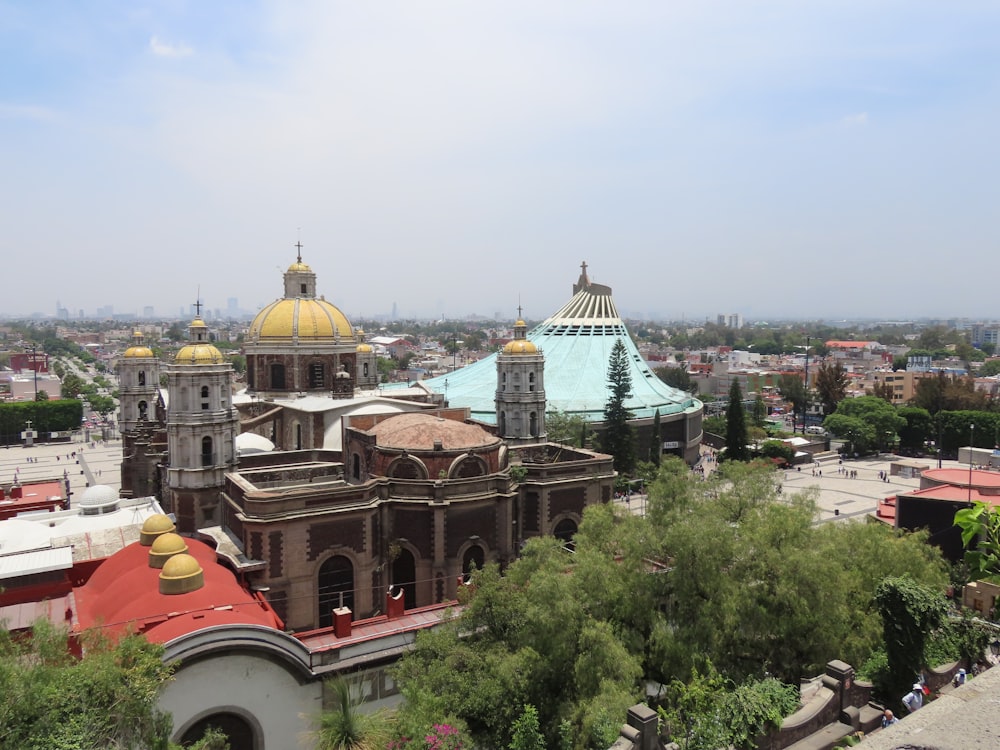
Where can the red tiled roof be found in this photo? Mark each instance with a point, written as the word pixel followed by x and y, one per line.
pixel 123 594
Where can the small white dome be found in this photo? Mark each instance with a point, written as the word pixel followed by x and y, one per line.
pixel 251 442
pixel 98 499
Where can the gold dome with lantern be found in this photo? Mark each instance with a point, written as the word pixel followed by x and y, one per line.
pixel 303 344
pixel 520 343
pixel 300 319
pixel 199 350
pixel 138 348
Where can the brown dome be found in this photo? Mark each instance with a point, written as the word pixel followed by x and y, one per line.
pixel 422 431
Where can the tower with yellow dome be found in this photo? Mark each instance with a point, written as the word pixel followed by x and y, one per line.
pixel 202 425
pixel 141 414
pixel 520 395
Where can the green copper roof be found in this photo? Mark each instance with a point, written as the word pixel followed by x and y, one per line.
pixel 576 343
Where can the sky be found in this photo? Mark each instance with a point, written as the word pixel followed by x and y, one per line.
pixel 784 159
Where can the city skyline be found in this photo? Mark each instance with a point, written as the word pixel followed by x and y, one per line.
pixel 783 160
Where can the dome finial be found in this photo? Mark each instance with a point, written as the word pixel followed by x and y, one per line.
pixel 298 246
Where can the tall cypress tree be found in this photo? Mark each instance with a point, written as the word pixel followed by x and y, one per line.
pixel 736 425
pixel 655 449
pixel 618 439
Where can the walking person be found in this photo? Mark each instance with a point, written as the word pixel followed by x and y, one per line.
pixel 914 699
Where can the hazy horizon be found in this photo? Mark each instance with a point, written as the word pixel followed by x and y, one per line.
pixel 775 159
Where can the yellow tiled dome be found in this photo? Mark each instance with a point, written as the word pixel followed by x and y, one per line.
pixel 165 547
pixel 181 574
pixel 154 526
pixel 199 354
pixel 520 346
pixel 301 318
pixel 300 267
pixel 364 348
pixel 138 351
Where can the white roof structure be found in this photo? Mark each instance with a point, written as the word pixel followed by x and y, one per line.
pixel 88 537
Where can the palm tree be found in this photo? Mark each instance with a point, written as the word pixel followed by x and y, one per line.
pixel 344 727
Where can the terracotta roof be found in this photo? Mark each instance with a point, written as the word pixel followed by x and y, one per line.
pixel 421 431
pixel 123 594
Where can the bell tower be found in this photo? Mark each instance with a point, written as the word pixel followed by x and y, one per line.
pixel 520 394
pixel 202 425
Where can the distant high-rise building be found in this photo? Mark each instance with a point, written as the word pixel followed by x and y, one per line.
pixel 731 320
pixel 394 311
pixel 147 311
pixel 233 307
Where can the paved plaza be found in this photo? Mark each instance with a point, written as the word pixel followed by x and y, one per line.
pixel 95 462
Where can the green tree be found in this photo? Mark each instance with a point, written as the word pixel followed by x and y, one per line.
pixel 918 429
pixel 107 699
pixel 759 411
pixel 618 439
pixel 736 425
pixel 793 390
pixel 42 396
pixel 949 393
pixel 527 735
pixel 656 441
pixel 980 527
pixel 344 727
pixel 989 369
pixel 677 377
pixel 882 390
pixel 565 428
pixel 831 386
pixel 72 385
pixel 910 612
pixel 882 419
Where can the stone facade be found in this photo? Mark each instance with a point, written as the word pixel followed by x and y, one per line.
pixel 415 502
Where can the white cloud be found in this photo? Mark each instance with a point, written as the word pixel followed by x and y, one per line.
pixel 165 49
pixel 855 121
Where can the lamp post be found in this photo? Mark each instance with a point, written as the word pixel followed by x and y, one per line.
pixel 972 439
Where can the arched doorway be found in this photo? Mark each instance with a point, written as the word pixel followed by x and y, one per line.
pixel 564 531
pixel 473 556
pixel 238 731
pixel 404 576
pixel 336 588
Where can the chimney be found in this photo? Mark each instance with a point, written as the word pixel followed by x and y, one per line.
pixel 342 622
pixel 395 606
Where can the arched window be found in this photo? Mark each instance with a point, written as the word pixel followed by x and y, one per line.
pixel 503 381
pixel 207 459
pixel 237 729
pixel 470 466
pixel 517 382
pixel 142 377
pixel 336 588
pixel 564 531
pixel 298 436
pixel 473 556
pixel 142 409
pixel 531 381
pixel 406 468
pixel 533 424
pixel 204 397
pixel 277 376
pixel 365 367
pixel 503 423
pixel 404 576
pixel 317 375
pixel 356 466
